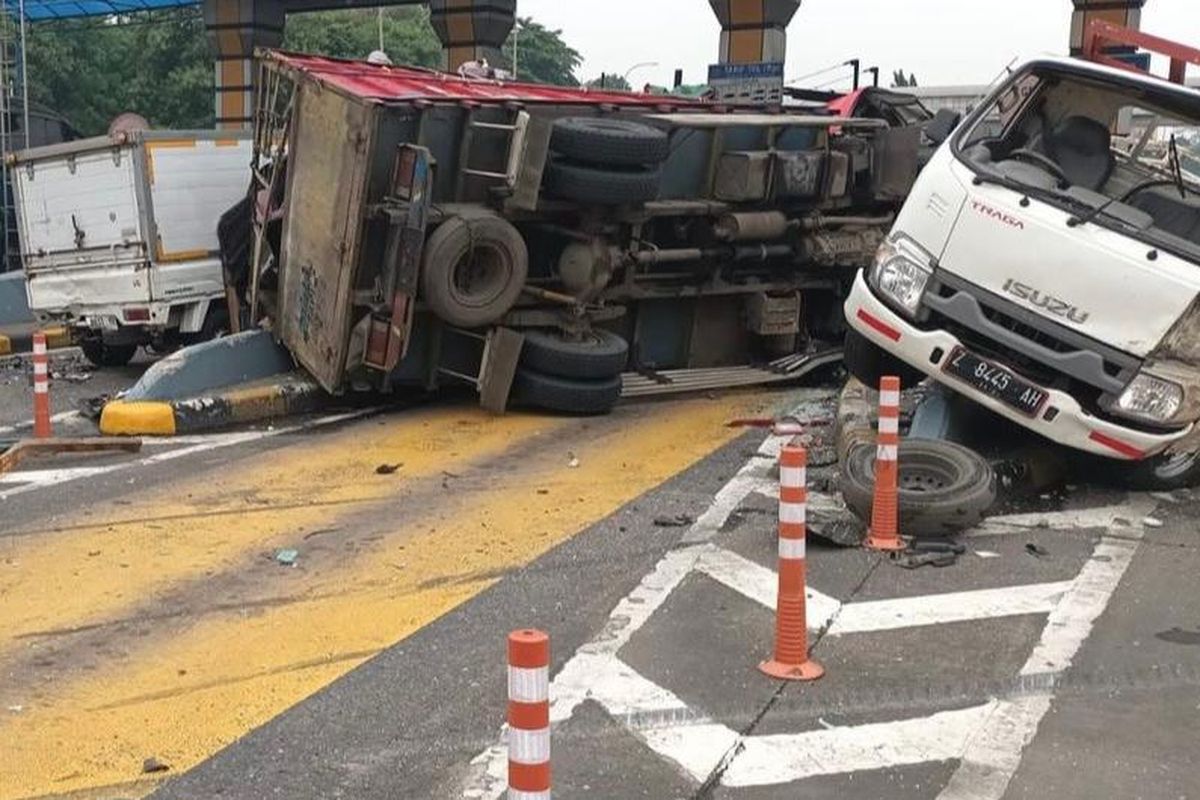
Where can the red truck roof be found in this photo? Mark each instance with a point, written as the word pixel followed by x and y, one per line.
pixel 412 83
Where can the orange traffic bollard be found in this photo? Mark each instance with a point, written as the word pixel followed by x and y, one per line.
pixel 791 661
pixel 41 388
pixel 528 715
pixel 885 513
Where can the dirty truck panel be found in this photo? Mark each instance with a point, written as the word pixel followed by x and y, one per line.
pixel 439 229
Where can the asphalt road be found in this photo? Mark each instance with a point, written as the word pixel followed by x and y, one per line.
pixel 146 611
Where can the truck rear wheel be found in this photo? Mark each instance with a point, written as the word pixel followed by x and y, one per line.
pixel 107 355
pixel 473 270
pixel 566 394
pixel 595 354
pixel 610 142
pixel 868 362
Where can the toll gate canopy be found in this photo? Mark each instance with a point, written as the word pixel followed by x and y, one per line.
pixel 40 10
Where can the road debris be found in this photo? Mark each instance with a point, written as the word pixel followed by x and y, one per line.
pixel 1036 550
pixel 152 765
pixel 917 560
pixel 1152 522
pixel 572 461
pixel 287 557
pixel 676 521
pixel 388 469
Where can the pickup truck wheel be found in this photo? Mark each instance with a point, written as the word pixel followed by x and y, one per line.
pixel 612 142
pixel 595 354
pixel 868 362
pixel 566 394
pixel 944 488
pixel 602 187
pixel 107 355
pixel 473 270
pixel 1158 474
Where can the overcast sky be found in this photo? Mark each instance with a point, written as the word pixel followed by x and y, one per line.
pixel 942 41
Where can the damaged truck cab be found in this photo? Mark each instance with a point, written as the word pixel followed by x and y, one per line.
pixel 1047 266
pixel 562 247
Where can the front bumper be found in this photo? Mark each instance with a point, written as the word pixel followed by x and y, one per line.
pixel 1069 423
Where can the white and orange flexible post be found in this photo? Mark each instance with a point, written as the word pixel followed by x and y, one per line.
pixel 885 512
pixel 41 388
pixel 528 715
pixel 791 661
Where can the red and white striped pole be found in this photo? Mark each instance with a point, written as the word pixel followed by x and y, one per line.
pixel 41 388
pixel 885 512
pixel 528 715
pixel 791 661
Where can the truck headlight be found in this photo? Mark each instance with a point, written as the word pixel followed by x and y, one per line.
pixel 900 273
pixel 1151 399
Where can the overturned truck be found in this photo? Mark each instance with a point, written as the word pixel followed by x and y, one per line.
pixel 559 247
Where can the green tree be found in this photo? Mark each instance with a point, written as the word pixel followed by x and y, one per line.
pixel 542 56
pixel 158 63
pixel 614 82
pixel 155 63
pixel 353 33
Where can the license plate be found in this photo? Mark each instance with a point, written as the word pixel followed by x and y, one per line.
pixel 997 381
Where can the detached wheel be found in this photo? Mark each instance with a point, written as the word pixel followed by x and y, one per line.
pixel 609 142
pixel 595 354
pixel 566 394
pixel 107 355
pixel 602 187
pixel 473 270
pixel 944 488
pixel 868 362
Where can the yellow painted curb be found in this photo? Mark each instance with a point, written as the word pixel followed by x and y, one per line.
pixel 5 345
pixel 137 419
pixel 57 337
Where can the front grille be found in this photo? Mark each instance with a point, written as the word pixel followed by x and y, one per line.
pixel 1042 351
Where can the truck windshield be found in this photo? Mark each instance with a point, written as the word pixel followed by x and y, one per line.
pixel 1120 152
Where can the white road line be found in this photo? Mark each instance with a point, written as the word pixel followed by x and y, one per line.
pixel 64 416
pixel 215 443
pixel 939 609
pixel 783 758
pixel 49 477
pixel 574 682
pixel 995 751
pixel 761 584
pixel 753 474
pixel 1131 510
pixel 698 749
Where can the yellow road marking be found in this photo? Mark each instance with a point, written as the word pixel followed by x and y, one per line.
pixel 185 695
pixel 105 568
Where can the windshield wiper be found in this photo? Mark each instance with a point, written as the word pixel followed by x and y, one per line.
pixel 1084 219
pixel 1016 186
pixel 1176 167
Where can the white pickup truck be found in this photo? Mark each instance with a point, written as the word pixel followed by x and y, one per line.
pixel 118 236
pixel 1047 266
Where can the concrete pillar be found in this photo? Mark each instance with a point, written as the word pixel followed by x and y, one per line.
pixel 235 28
pixel 1119 12
pixel 754 30
pixel 471 30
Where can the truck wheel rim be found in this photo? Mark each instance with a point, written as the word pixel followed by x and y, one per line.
pixel 481 276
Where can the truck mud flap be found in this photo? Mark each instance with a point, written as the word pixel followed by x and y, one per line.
pixel 788 368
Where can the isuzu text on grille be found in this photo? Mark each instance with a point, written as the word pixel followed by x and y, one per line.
pixel 1041 300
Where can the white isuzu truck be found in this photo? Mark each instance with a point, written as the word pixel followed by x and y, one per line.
pixel 118 236
pixel 1047 266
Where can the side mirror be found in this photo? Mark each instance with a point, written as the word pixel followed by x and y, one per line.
pixel 938 129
